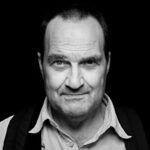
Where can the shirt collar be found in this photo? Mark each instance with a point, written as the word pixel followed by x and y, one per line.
pixel 45 114
pixel 110 119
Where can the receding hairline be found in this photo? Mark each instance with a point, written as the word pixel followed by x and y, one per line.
pixel 76 15
pixel 58 20
pixel 74 20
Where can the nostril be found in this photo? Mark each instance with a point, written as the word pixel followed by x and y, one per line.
pixel 74 89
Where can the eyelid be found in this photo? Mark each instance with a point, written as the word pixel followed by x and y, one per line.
pixel 64 62
pixel 59 67
pixel 89 60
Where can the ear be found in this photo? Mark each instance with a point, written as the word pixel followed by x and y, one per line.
pixel 40 62
pixel 108 62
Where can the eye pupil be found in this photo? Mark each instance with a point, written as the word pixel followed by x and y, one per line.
pixel 59 62
pixel 90 62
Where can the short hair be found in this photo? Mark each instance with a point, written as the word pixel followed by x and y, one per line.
pixel 78 12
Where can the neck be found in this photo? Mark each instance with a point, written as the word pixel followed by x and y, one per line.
pixel 81 128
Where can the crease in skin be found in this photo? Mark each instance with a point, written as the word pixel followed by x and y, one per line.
pixel 67 42
pixel 72 47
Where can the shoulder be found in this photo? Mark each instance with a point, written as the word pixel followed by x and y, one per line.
pixel 131 122
pixel 128 114
pixel 3 129
pixel 129 117
pixel 21 118
pixel 3 125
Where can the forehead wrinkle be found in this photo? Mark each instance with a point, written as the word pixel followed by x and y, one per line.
pixel 57 41
pixel 72 46
pixel 72 57
pixel 67 42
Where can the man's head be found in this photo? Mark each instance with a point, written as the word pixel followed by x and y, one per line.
pixel 74 65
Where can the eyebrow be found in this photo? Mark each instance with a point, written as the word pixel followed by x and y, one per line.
pixel 94 58
pixel 54 57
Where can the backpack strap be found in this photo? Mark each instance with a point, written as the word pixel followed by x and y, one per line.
pixel 17 137
pixel 18 129
pixel 132 125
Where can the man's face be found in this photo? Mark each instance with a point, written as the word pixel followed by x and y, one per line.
pixel 74 66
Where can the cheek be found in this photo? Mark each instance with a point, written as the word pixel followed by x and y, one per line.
pixel 54 79
pixel 95 78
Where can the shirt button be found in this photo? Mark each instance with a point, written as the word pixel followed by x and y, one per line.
pixel 70 144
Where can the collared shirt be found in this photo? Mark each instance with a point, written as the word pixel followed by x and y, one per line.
pixel 53 138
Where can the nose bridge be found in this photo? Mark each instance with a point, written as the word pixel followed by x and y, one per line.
pixel 75 76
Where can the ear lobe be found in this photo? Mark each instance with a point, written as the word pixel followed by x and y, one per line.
pixel 40 63
pixel 109 61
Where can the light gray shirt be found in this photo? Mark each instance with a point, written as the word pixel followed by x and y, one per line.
pixel 53 138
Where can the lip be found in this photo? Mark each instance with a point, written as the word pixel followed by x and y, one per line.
pixel 73 94
pixel 74 97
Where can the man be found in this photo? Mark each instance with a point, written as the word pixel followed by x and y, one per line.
pixel 77 113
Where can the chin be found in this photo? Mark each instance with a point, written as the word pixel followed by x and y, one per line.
pixel 75 111
pixel 76 117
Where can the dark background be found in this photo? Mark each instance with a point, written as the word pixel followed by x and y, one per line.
pixel 128 79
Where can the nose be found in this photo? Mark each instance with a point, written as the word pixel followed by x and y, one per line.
pixel 74 79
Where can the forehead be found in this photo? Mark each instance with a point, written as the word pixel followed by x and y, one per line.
pixel 71 36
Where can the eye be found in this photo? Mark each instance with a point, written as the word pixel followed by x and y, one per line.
pixel 60 64
pixel 89 63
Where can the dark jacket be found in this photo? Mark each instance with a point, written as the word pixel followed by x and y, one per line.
pixel 17 137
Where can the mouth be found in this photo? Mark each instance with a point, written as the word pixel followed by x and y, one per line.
pixel 74 97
